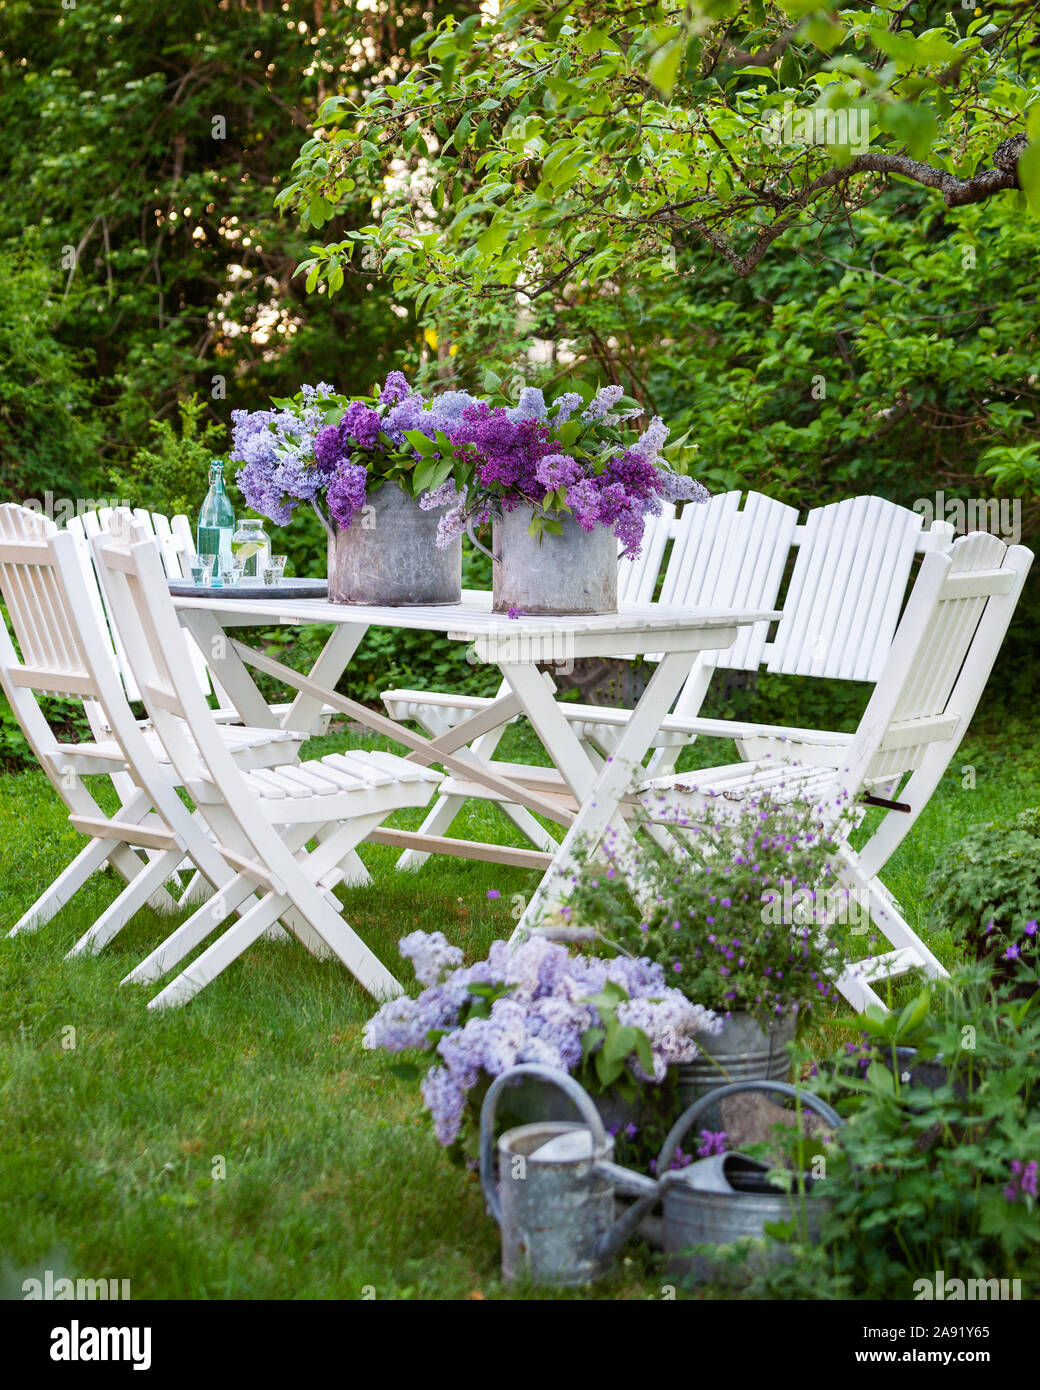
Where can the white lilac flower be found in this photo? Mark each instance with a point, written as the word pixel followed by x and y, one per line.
pixel 431 955
pixel 442 496
pixel 531 406
pixel 565 406
pixel 602 402
pixel 652 440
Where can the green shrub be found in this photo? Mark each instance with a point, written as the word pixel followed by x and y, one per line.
pixel 987 889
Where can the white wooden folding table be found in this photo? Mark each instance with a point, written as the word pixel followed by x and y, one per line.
pixel 576 792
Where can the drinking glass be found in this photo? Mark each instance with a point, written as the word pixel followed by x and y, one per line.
pixel 208 569
pixel 274 570
pixel 230 573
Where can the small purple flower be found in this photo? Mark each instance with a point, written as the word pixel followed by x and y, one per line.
pixel 1012 952
pixel 712 1142
pixel 493 893
pixel 1031 928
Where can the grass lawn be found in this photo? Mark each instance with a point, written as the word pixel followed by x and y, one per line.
pixel 333 1183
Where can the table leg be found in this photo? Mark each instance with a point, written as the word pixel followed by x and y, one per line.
pixel 600 794
pixel 218 649
pixel 330 665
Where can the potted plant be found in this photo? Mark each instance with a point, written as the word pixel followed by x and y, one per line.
pixel 563 484
pixel 615 1024
pixel 353 460
pixel 737 918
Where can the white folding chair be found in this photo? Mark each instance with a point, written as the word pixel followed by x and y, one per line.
pixel 935 672
pixel 261 822
pixel 64 649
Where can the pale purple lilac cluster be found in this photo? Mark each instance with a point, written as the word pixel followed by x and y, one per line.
pixel 541 1016
pixel 293 455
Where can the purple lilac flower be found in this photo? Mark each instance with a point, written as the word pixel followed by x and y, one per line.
pixel 712 1142
pixel 440 496
pixel 652 440
pixel 394 389
pixel 602 402
pixel 346 493
pixel 431 955
pixel 677 487
pixel 451 526
pixel 531 405
pixel 361 424
pixel 406 414
pixel 542 1019
pixel 565 406
pixel 557 470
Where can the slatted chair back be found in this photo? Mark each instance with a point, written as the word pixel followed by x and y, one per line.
pixel 940 659
pixel 847 589
pixel 49 658
pixel 175 545
pixel 725 556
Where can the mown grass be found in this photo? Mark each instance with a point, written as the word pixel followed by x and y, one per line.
pixel 333 1183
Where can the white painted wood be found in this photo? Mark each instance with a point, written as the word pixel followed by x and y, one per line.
pixel 264 817
pixel 939 661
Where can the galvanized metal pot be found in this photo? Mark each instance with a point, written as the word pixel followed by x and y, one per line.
pixel 742 1051
pixel 726 1197
pixel 557 1214
pixel 389 556
pixel 575 572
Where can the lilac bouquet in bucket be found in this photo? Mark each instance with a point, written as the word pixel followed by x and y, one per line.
pixel 355 461
pixel 577 457
pixel 615 1024
pixel 332 451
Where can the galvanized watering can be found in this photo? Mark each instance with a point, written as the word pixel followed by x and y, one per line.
pixel 554 1194
pixel 725 1197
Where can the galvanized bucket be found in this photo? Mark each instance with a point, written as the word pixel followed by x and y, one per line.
pixel 556 1212
pixel 742 1051
pixel 725 1198
pixel 388 556
pixel 571 573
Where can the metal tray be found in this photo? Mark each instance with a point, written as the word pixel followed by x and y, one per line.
pixel 286 589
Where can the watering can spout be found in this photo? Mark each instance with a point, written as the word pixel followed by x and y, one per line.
pixel 646 1192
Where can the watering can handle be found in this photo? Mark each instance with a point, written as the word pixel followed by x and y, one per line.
pixel 687 1118
pixel 570 1088
pixel 479 545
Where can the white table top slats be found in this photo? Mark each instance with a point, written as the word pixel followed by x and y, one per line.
pixel 473 618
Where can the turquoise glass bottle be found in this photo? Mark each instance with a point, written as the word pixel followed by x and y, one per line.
pixel 216 519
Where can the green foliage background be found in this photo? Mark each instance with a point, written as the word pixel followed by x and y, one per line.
pixel 894 351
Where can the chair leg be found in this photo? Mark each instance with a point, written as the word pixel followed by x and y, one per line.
pixel 190 933
pixel 68 883
pixel 129 865
pixel 129 902
pixel 309 900
pixel 227 948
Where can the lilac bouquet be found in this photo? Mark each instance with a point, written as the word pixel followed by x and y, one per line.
pixel 614 1023
pixel 573 457
pixel 328 450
